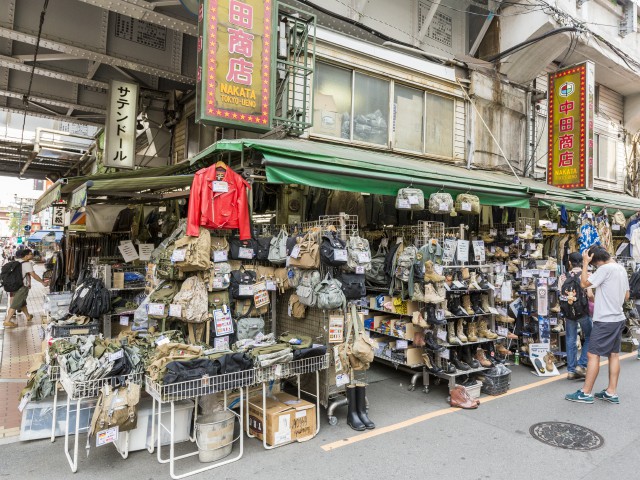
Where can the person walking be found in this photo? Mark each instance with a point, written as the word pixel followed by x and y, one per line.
pixel 19 298
pixel 575 308
pixel 612 290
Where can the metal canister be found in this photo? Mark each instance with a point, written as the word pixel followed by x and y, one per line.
pixel 516 359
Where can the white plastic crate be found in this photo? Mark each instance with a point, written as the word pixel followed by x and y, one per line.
pixel 37 417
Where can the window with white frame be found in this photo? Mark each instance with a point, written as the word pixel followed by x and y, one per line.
pixel 605 148
pixel 355 106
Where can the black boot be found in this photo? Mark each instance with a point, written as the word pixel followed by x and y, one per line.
pixel 475 305
pixel 468 358
pixel 353 419
pixel 431 343
pixel 460 365
pixel 431 316
pixel 457 310
pixel 361 404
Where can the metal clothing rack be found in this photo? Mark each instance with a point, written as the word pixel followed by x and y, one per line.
pixel 83 390
pixel 191 390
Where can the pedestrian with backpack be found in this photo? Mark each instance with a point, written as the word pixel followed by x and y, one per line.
pixel 16 279
pixel 612 290
pixel 574 305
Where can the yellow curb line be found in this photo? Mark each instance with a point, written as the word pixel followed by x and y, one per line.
pixel 445 411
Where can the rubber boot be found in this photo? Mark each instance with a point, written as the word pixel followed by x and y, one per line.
pixel 353 418
pixel 361 405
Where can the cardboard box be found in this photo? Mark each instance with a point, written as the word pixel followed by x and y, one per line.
pixel 304 416
pixel 326 119
pixel 414 356
pixel 277 426
pixel 118 279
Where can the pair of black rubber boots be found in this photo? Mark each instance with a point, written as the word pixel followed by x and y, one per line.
pixel 357 417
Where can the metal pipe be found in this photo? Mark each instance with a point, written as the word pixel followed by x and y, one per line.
pixel 424 54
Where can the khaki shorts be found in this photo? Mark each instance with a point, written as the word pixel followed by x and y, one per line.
pixel 19 298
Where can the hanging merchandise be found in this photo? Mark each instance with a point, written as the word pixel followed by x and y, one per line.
pixel 329 294
pixel 553 213
pixel 306 253
pixel 359 254
pixel 249 328
pixel 219 276
pixel 618 219
pixel 116 407
pixel 242 249
pixel 193 253
pixel 242 282
pixel 468 204
pixel 353 285
pixel 282 279
pixel 296 308
pixel 278 248
pixel 588 232
pixel 333 251
pixel 193 300
pixel 376 275
pixel 218 201
pixel 410 199
pixel 361 352
pixel 219 249
pixel 441 203
pixel 306 288
pixel 263 246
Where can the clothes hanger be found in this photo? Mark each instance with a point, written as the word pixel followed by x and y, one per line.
pixel 221 164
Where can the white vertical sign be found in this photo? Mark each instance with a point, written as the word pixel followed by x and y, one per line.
pixel 120 130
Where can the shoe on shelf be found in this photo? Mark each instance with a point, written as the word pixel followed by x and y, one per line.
pixel 444 306
pixel 502 350
pixel 483 330
pixel 537 255
pixel 482 358
pixel 607 397
pixel 432 318
pixel 468 358
pixel 513 267
pixel 472 332
pixel 559 327
pixel 505 319
pixel 466 304
pixel 431 343
pixel 452 338
pixel 487 239
pixel 579 397
pixel 460 331
pixel 418 294
pixel 418 319
pixel 448 367
pixel 430 274
pixel 430 364
pixel 512 336
pixel 552 264
pixel 459 364
pixel 431 296
pixel 527 234
pixel 484 303
pixel 465 273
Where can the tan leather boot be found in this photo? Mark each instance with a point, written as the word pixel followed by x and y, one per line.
pixel 460 331
pixel 419 320
pixel 418 294
pixel 537 255
pixel 482 358
pixel 451 334
pixel 445 307
pixel 465 273
pixel 431 296
pixel 502 350
pixel 472 334
pixel 466 304
pixel 473 282
pixel 513 267
pixel 484 331
pixel 552 264
pixel 485 304
pixel 430 274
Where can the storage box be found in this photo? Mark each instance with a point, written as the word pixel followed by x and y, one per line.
pixel 474 390
pixel 278 419
pixel 414 356
pixel 38 416
pixel 118 279
pixel 628 345
pixel 326 119
pixel 304 416
pixel 140 437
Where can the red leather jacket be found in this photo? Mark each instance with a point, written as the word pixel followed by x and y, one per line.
pixel 218 209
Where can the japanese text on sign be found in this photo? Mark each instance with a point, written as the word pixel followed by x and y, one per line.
pixel 120 132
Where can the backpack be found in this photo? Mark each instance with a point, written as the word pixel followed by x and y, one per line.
pixel 634 286
pixel 164 294
pixel 296 309
pixel 165 268
pixel 263 246
pixel 219 276
pixel 333 251
pixel 306 288
pixel 329 294
pixel 11 276
pixel 410 199
pixel 359 254
pixel 194 300
pixel 124 220
pixel 241 283
pixel 90 298
pixel 376 276
pixel 403 261
pixel 573 298
pixel 197 252
pixel 278 248
pixel 353 285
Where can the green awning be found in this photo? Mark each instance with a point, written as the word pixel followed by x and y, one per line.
pixel 132 185
pixel 48 198
pixel 345 168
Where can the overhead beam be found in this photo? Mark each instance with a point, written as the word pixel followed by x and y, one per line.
pixel 53 101
pixel 141 10
pixel 165 3
pixel 45 57
pixel 14 64
pixel 60 116
pixel 83 53
pixel 427 21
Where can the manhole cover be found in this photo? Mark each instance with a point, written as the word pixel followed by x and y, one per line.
pixel 566 435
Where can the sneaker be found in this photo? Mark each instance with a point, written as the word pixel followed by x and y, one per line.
pixel 603 395
pixel 579 397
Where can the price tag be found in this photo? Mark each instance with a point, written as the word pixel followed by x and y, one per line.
pixel 634 341
pixel 116 355
pixel 217 282
pixel 271 286
pixel 23 403
pixel 444 354
pixel 615 227
pixel 403 204
pixel 493 311
pixel 562 230
pixel 511 231
pixel 155 309
pixel 553 226
pixel 553 321
pixel 339 255
pixel 178 255
pixel 161 340
pixel 359 269
pixel 402 344
pixel 544 273
pixel 221 343
pixel 439 269
pixel 124 320
pixel 246 253
pixel 413 199
pixel 245 290
pixel 104 437
pixel 220 256
pixel 162 209
pixel 342 379
pixel 503 331
pixel 295 252
pixel 493 232
pixel 364 257
pixel 442 334
pixel 527 273
pixel 175 310
pixel 220 187
pixel 465 206
pixel 444 207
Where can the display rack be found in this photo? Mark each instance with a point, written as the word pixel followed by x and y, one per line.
pixel 84 390
pixel 279 372
pixel 192 390
pixel 54 376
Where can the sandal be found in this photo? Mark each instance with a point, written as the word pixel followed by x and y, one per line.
pixel 9 324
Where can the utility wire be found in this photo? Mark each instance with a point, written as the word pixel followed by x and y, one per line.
pixel 25 97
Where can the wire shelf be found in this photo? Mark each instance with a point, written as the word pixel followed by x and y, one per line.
pixel 201 386
pixel 77 390
pixel 524 222
pixel 428 231
pixel 295 367
pixel 54 373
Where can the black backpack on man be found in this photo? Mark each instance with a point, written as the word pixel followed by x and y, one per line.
pixel 11 276
pixel 574 303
